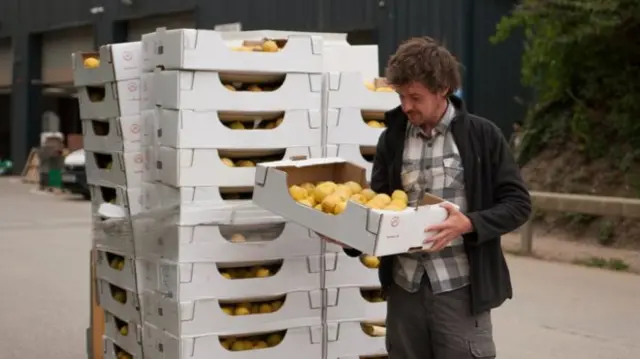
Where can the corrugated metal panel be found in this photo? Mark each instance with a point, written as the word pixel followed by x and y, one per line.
pixel 149 8
pixel 57 47
pixel 43 15
pixel 341 15
pixel 137 28
pixel 402 19
pixel 8 17
pixel 274 15
pixel 6 63
pixel 496 77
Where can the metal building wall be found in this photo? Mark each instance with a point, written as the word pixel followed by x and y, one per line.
pixel 495 86
pixel 399 20
pixel 44 15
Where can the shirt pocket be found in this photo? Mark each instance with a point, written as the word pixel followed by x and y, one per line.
pixel 453 173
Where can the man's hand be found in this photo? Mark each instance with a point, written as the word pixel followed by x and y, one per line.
pixel 453 227
pixel 332 241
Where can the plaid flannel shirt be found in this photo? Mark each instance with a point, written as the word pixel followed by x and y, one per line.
pixel 431 163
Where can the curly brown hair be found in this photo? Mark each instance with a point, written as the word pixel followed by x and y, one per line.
pixel 424 60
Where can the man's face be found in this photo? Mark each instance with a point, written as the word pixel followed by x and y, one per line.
pixel 421 105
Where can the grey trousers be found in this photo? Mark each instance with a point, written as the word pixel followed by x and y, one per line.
pixel 422 325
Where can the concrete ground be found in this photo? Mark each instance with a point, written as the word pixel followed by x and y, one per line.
pixel 559 311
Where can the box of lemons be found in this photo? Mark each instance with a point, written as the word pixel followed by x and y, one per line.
pixel 226 280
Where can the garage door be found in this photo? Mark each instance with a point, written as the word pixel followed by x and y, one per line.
pixel 137 28
pixel 57 47
pixel 6 63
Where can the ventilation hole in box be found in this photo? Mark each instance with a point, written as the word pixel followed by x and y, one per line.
pixel 109 195
pixel 121 326
pixel 374 119
pixel 100 128
pixel 96 93
pixel 251 120
pixel 91 60
pixel 236 193
pixel 264 45
pixel 252 342
pixel 374 329
pixel 118 294
pixel 104 161
pixel 368 153
pixel 115 261
pixel 372 295
pixel 264 305
pixel 252 82
pixel 250 158
pixel 252 270
pixel 121 353
pixel 252 233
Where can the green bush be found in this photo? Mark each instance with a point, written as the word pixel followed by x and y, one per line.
pixel 582 59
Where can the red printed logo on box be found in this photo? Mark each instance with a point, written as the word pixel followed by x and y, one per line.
pixel 395 221
pixel 132 86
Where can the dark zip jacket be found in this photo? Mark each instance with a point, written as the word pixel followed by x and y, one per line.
pixel 498 201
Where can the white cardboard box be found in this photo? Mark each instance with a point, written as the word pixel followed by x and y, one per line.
pixel 348 339
pixel 206 317
pixel 120 98
pixel 204 280
pixel 190 206
pixel 207 50
pixel 342 271
pixel 375 232
pixel 348 126
pixel 204 167
pixel 349 304
pixel 192 90
pixel 117 134
pixel 301 341
pixel 126 168
pixel 118 62
pixel 342 57
pixel 215 243
pixel 129 199
pixel 148 100
pixel 149 45
pixel 348 89
pixel 204 129
pixel 131 342
pixel 128 311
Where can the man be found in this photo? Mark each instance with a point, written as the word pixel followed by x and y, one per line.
pixel 439 301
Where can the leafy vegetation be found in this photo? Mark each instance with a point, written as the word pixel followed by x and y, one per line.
pixel 582 59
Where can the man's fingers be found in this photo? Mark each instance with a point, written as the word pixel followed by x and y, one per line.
pixel 450 207
pixel 438 227
pixel 438 237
